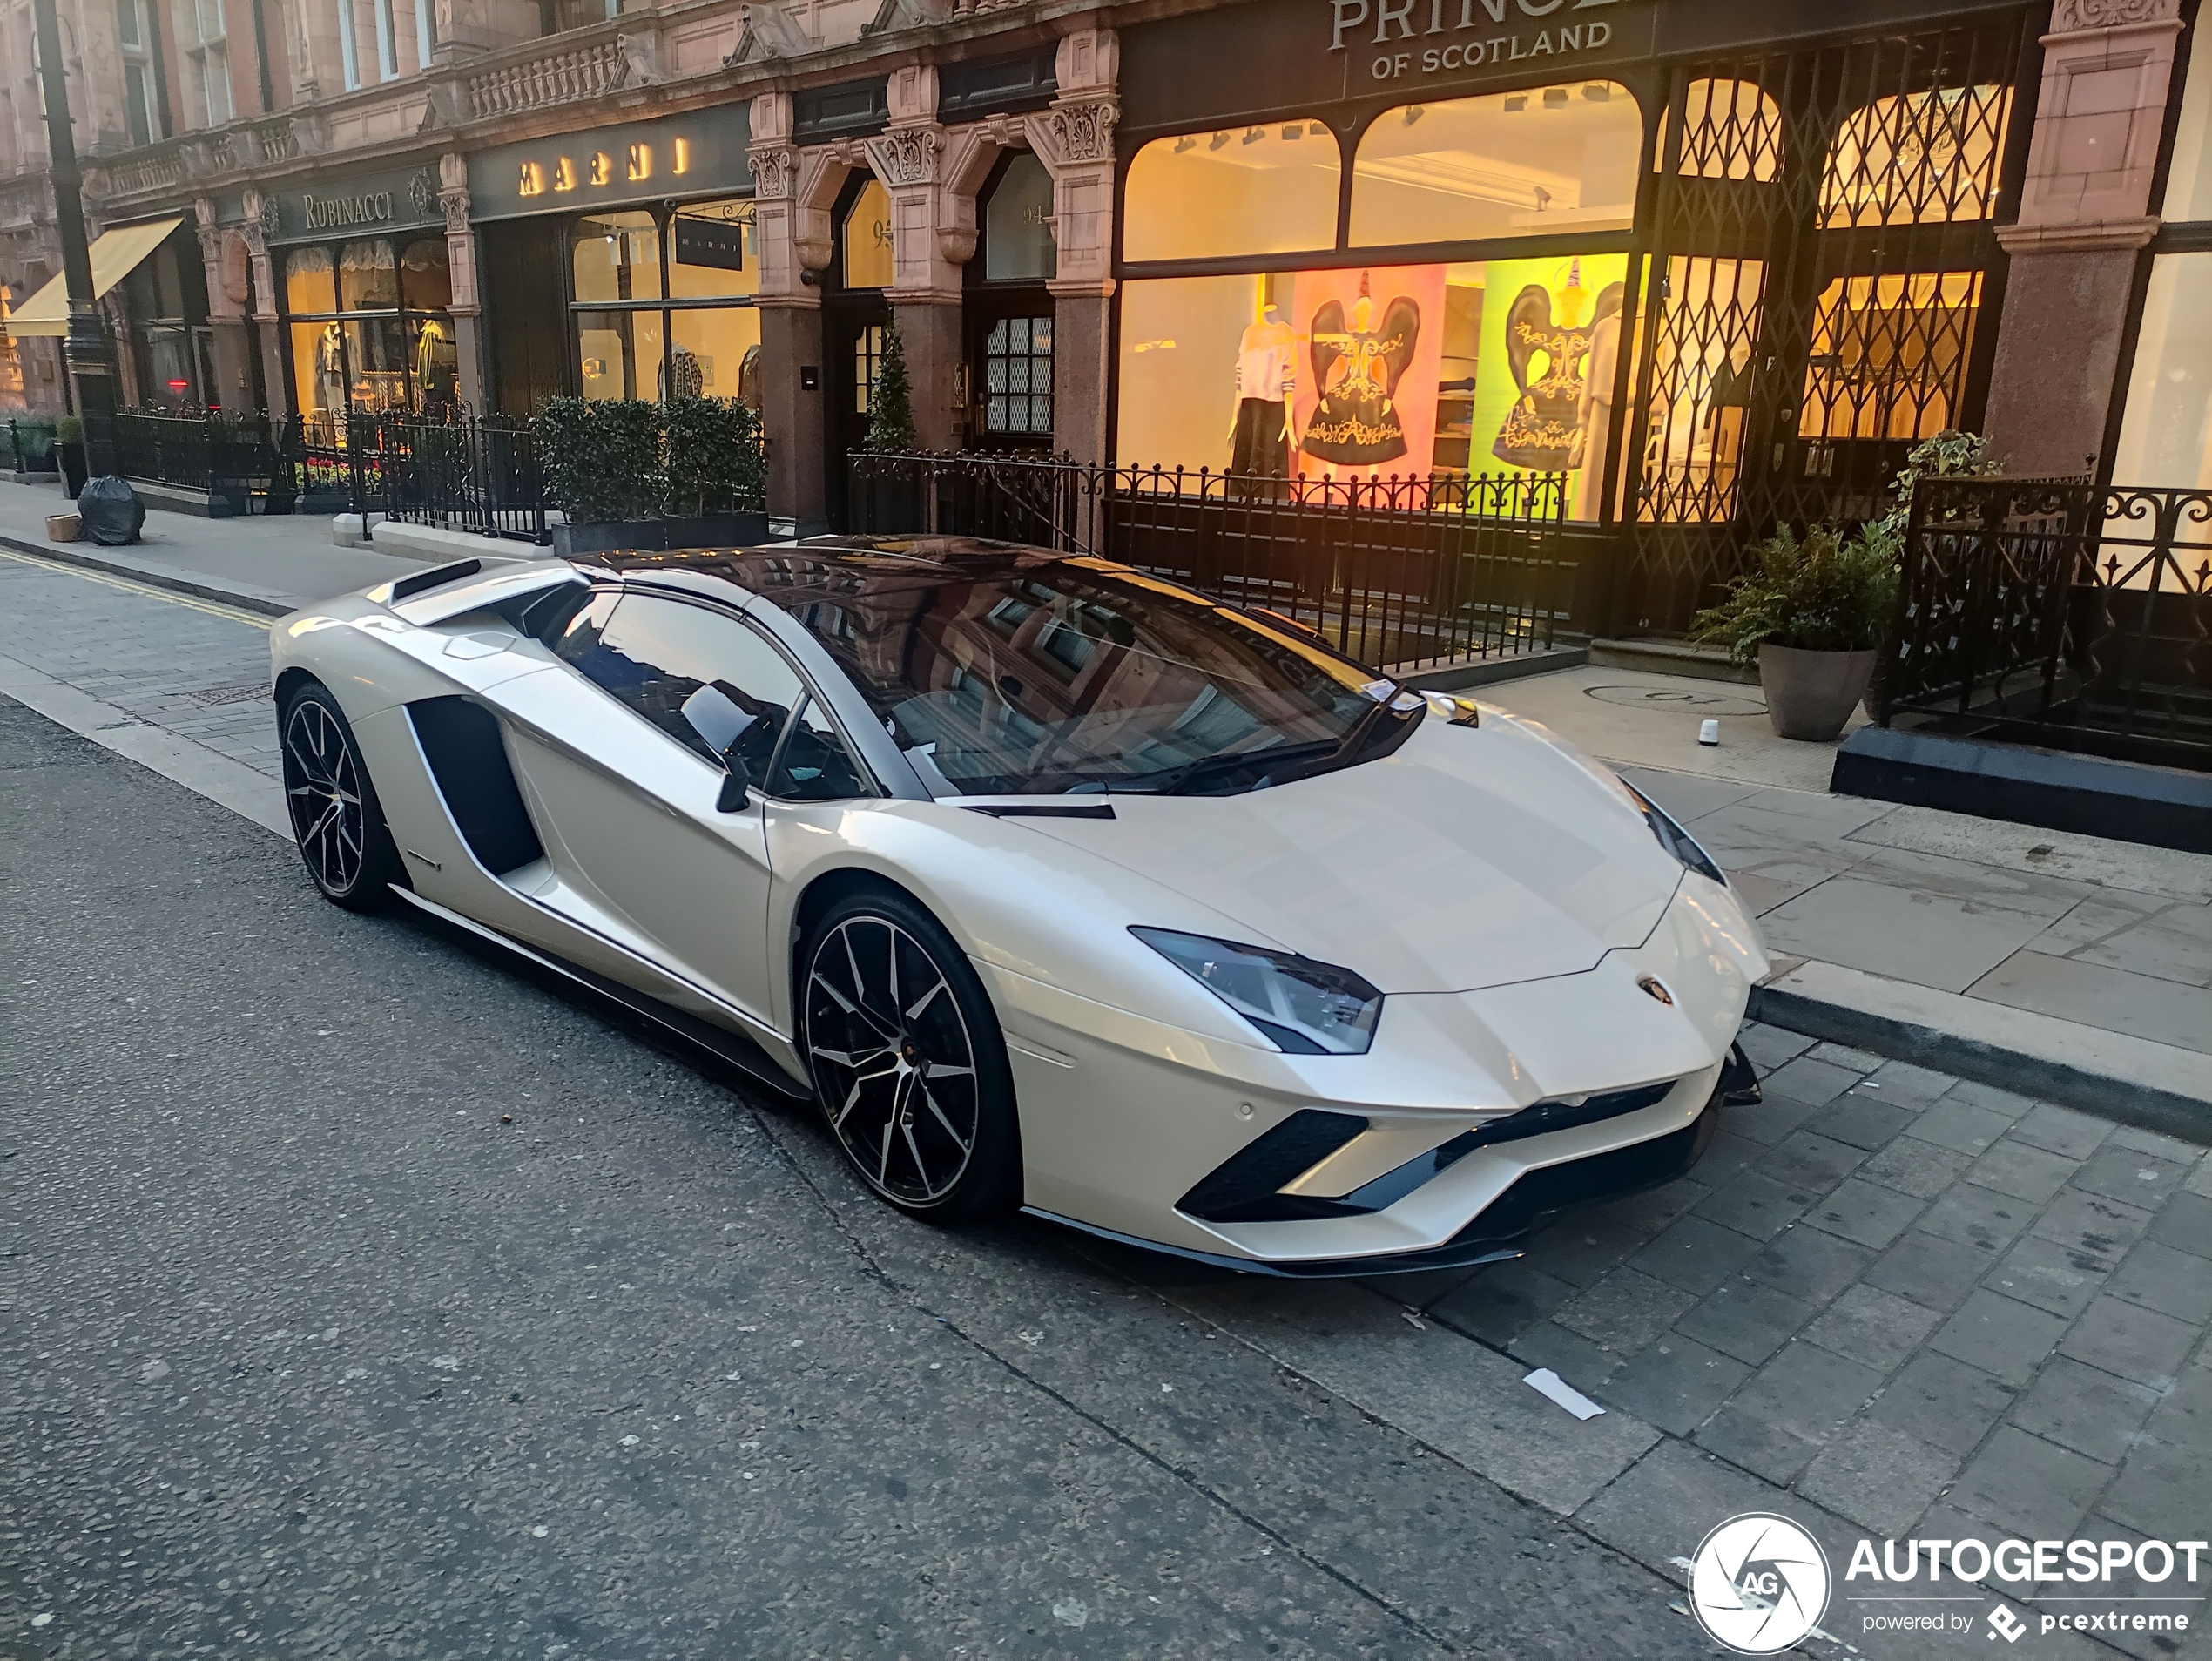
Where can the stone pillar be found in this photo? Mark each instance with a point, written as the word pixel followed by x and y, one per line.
pixel 928 248
pixel 1075 140
pixel 2085 218
pixel 224 258
pixel 461 265
pixel 791 222
pixel 276 384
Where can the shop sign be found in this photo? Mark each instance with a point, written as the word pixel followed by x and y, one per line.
pixel 677 156
pixel 362 203
pixel 340 212
pixel 1390 40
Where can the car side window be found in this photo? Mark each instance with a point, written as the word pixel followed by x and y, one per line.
pixel 705 678
pixel 815 764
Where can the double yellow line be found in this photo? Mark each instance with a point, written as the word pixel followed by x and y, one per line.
pixel 170 597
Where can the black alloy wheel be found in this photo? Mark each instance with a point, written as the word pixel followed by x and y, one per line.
pixel 335 818
pixel 907 1061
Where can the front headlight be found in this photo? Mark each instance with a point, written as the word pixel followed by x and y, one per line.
pixel 1304 1008
pixel 1672 837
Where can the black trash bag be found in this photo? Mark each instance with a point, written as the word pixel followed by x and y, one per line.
pixel 111 512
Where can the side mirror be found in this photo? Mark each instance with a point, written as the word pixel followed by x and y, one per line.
pixel 735 783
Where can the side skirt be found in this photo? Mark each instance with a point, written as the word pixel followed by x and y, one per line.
pixel 734 1048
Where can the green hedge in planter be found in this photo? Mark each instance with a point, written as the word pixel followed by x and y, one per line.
pixel 605 460
pixel 715 463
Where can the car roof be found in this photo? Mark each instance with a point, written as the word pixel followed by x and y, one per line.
pixel 844 563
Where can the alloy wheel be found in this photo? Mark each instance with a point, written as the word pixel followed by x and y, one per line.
pixel 892 1059
pixel 322 787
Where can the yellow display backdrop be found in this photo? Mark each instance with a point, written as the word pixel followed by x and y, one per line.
pixel 115 254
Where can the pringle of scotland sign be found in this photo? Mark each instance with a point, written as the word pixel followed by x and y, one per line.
pixel 1393 39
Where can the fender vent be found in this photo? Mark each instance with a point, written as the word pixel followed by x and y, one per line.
pixel 460 741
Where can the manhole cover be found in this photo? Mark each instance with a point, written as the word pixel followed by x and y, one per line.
pixel 1686 700
pixel 209 696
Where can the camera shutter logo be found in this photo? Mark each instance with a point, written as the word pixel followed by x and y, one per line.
pixel 1758 1584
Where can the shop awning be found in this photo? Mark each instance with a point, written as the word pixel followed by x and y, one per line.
pixel 115 254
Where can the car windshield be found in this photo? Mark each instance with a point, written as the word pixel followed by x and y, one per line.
pixel 1007 675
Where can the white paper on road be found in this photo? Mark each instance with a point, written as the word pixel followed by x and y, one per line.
pixel 1546 1382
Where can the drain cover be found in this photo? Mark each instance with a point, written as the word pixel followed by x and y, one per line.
pixel 210 696
pixel 1684 700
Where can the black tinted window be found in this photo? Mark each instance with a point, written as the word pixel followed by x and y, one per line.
pixel 704 677
pixel 815 764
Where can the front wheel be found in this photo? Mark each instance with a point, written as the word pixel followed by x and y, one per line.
pixel 907 1061
pixel 335 817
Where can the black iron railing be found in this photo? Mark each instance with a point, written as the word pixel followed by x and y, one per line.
pixel 1404 573
pixel 473 473
pixel 31 446
pixel 2058 614
pixel 233 458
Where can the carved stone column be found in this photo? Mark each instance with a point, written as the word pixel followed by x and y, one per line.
pixel 794 243
pixel 1075 140
pixel 925 280
pixel 230 340
pixel 268 329
pixel 461 265
pixel 2085 218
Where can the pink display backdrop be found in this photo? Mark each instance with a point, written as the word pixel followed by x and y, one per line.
pixel 1415 397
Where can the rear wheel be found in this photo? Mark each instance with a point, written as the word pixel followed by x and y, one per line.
pixel 908 1060
pixel 335 818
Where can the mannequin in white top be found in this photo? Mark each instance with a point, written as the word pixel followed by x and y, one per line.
pixel 1266 380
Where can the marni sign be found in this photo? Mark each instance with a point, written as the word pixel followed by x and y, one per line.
pixel 1392 39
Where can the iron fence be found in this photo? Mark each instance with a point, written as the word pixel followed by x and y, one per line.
pixel 2060 614
pixel 31 446
pixel 1408 573
pixel 472 473
pixel 233 458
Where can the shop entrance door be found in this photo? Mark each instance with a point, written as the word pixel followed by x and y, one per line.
pixel 853 327
pixel 1010 367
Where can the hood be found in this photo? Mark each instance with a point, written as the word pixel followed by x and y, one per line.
pixel 1472 857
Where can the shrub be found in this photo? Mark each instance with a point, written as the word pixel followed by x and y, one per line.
pixel 70 429
pixel 1824 592
pixel 891 411
pixel 715 460
pixel 601 457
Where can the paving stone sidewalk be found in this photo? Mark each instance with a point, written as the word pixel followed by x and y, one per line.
pixel 1887 1302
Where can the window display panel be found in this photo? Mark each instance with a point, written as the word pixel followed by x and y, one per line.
pixel 1700 388
pixel 376 355
pixel 714 252
pixel 425 279
pixel 615 256
pixel 2189 183
pixel 619 354
pixel 1255 190
pixel 369 277
pixel 319 368
pixel 310 282
pixel 715 353
pixel 2166 433
pixel 1888 354
pixel 867 239
pixel 1017 240
pixel 1483 367
pixel 1549 159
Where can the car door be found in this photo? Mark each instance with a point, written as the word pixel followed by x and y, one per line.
pixel 630 808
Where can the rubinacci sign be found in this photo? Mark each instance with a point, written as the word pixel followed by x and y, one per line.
pixel 1393 39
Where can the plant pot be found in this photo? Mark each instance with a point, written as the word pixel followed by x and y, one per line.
pixel 71 458
pixel 717 531
pixel 619 535
pixel 324 498
pixel 1811 694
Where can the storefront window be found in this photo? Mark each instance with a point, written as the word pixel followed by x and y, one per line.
pixel 1918 158
pixel 1731 130
pixel 2188 182
pixel 370 328
pixel 867 239
pixel 1017 377
pixel 1017 235
pixel 702 339
pixel 1476 366
pixel 1888 354
pixel 1267 189
pixel 1702 389
pixel 1558 158
pixel 2166 432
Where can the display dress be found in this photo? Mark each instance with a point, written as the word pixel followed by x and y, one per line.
pixel 1266 379
pixel 1357 366
pixel 1544 431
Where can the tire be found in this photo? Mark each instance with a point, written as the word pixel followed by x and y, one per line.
pixel 336 819
pixel 912 1084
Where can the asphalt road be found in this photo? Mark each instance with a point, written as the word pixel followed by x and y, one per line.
pixel 306 1350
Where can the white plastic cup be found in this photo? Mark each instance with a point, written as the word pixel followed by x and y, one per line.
pixel 1708 732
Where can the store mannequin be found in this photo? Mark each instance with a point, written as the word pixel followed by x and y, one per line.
pixel 1358 362
pixel 1266 380
pixel 330 372
pixel 1596 404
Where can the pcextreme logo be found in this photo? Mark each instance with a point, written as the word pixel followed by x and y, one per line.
pixel 1759 1583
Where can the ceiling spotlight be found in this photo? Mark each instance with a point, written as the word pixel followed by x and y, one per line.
pixel 1253 135
pixel 1516 104
pixel 1294 131
pixel 1218 140
pixel 1555 98
pixel 1414 112
pixel 1186 143
pixel 1318 131
pixel 1598 92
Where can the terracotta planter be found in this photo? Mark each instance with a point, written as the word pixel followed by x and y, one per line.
pixel 1811 694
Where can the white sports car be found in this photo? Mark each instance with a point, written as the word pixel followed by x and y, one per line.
pixel 1054 885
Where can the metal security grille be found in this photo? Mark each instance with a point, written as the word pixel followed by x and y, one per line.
pixel 1824 249
pixel 1017 376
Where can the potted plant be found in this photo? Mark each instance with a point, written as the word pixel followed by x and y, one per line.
pixel 69 450
pixel 884 494
pixel 715 470
pixel 601 461
pixel 1812 612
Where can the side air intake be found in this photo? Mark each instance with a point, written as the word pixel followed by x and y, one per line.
pixel 460 741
